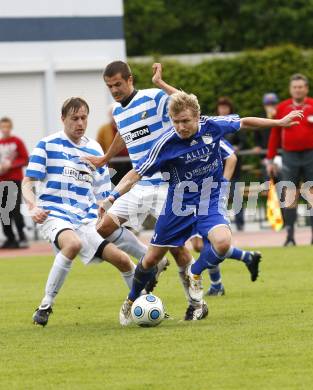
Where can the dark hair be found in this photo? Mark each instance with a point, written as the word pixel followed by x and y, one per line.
pixel 73 104
pixel 116 67
pixel 225 101
pixel 299 76
pixel 6 119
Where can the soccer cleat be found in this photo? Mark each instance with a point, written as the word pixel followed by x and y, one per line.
pixel 196 313
pixel 161 267
pixel 290 242
pixel 195 285
pixel 125 313
pixel 215 292
pixel 10 244
pixel 253 265
pixel 41 315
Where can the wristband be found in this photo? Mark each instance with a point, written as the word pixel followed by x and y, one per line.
pixel 115 194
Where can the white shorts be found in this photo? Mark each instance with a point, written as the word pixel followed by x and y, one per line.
pixel 90 238
pixel 139 202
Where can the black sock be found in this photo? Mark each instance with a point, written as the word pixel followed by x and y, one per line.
pixel 290 215
pixel 141 277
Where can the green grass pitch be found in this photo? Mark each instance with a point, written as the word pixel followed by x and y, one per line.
pixel 259 336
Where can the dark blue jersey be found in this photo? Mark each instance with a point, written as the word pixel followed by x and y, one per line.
pixel 186 163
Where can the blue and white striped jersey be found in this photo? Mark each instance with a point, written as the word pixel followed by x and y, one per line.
pixel 68 186
pixel 193 159
pixel 141 122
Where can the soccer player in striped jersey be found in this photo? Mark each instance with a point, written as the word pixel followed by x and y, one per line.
pixel 189 156
pixel 61 191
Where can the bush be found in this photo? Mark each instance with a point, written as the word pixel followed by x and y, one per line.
pixel 244 78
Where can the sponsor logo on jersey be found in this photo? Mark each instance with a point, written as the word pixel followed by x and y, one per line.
pixel 136 134
pixel 202 171
pixel 78 175
pixel 202 154
pixel 207 139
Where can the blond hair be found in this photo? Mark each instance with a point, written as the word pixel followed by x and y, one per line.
pixel 181 101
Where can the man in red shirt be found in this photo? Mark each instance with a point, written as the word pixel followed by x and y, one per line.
pixel 296 143
pixel 13 157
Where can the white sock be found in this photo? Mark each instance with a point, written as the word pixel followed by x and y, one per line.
pixel 126 240
pixel 57 275
pixel 129 276
pixel 184 282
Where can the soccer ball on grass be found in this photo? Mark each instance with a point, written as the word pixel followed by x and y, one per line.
pixel 147 311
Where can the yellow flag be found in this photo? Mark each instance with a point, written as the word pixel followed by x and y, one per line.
pixel 273 211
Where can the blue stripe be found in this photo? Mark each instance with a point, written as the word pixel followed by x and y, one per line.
pixel 137 118
pixel 69 213
pixel 35 174
pixel 142 148
pixel 41 145
pixel 68 186
pixel 53 169
pixel 63 200
pixel 158 97
pixel 61 28
pixel 135 103
pixel 148 182
pixel 37 159
pixel 91 215
pixel 59 216
pixel 67 144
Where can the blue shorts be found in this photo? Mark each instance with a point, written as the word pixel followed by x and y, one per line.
pixel 173 231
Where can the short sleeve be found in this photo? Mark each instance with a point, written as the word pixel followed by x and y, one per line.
pixel 226 149
pixel 37 168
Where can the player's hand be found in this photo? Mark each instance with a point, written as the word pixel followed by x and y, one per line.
pixel 95 161
pixel 292 119
pixel 157 73
pixel 105 205
pixel 38 214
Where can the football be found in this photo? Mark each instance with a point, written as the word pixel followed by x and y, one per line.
pixel 147 311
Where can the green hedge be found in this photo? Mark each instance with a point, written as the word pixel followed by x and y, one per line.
pixel 244 78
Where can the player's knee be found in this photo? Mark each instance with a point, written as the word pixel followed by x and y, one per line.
pixel 106 227
pixel 197 244
pixel 124 263
pixel 222 245
pixel 181 255
pixel 150 261
pixel 73 245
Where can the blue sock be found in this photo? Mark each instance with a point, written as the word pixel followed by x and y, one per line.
pixel 141 277
pixel 239 254
pixel 208 259
pixel 216 278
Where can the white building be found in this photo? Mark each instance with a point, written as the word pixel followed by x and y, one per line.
pixel 51 50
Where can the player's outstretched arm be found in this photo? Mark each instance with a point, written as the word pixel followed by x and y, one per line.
pixel 159 82
pixel 292 119
pixel 38 214
pixel 126 183
pixel 117 145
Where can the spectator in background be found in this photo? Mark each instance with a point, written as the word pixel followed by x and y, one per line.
pixel 297 149
pixel 261 137
pixel 224 106
pixel 13 157
pixel 105 138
